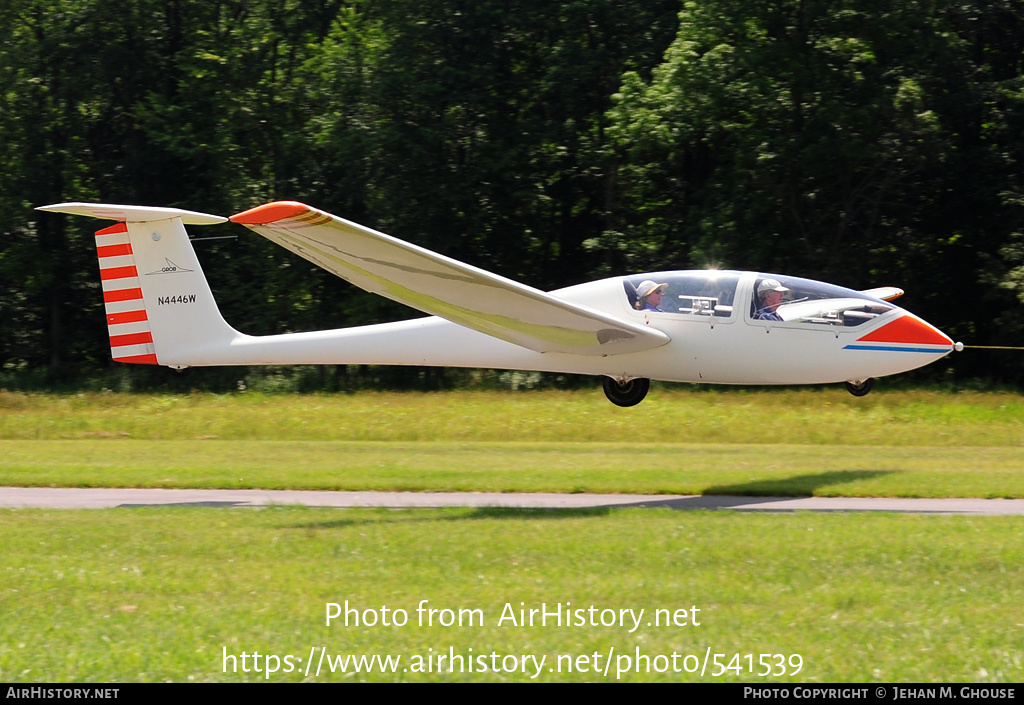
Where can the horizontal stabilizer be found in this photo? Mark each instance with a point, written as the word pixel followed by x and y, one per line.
pixel 133 214
pixel 444 287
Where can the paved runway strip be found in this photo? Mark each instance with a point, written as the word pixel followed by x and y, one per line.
pixel 100 498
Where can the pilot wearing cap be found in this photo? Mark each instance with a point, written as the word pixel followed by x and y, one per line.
pixel 770 293
pixel 648 295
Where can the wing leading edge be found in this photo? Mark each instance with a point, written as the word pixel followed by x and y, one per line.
pixel 444 287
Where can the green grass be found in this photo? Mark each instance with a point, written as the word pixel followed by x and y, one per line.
pixel 704 415
pixel 520 467
pixel 154 594
pixel 821 441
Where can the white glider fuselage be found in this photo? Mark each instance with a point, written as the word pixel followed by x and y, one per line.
pixel 703 326
pixel 715 350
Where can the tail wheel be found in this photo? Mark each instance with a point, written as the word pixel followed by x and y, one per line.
pixel 628 393
pixel 859 389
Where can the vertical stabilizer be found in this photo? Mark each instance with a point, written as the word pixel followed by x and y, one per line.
pixel 160 309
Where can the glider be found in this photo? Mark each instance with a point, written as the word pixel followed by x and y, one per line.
pixel 710 326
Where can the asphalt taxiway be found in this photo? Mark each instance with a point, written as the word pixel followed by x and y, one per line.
pixel 102 498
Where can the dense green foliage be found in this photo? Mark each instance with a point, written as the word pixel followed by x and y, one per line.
pixel 857 141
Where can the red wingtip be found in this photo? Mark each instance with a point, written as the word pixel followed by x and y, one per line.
pixel 270 213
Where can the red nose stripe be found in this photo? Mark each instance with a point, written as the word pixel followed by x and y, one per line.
pixel 907 330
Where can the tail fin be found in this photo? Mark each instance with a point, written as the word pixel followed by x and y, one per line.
pixel 160 310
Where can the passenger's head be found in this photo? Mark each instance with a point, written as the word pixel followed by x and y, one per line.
pixel 649 291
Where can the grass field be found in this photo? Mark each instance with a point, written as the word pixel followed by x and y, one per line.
pixel 820 442
pixel 165 593
pixel 707 415
pixel 155 594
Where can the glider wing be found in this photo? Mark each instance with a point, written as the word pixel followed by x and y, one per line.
pixel 444 287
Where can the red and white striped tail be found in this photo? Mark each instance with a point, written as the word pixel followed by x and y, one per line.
pixel 160 310
pixel 131 338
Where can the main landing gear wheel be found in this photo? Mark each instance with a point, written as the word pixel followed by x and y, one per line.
pixel 859 389
pixel 628 393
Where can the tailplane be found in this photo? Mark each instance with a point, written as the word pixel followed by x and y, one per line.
pixel 160 309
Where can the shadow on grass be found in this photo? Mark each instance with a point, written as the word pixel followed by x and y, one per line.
pixel 402 516
pixel 799 486
pixel 716 497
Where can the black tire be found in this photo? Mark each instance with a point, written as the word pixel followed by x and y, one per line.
pixel 629 393
pixel 859 390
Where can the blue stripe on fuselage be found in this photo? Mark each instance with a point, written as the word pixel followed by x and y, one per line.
pixel 894 349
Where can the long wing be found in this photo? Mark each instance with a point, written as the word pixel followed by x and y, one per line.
pixel 441 286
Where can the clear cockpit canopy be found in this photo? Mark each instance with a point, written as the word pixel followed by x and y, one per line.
pixel 695 293
pixel 707 293
pixel 814 302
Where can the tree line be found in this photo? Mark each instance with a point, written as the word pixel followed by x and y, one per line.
pixel 862 142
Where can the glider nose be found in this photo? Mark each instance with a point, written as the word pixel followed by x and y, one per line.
pixel 909 333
